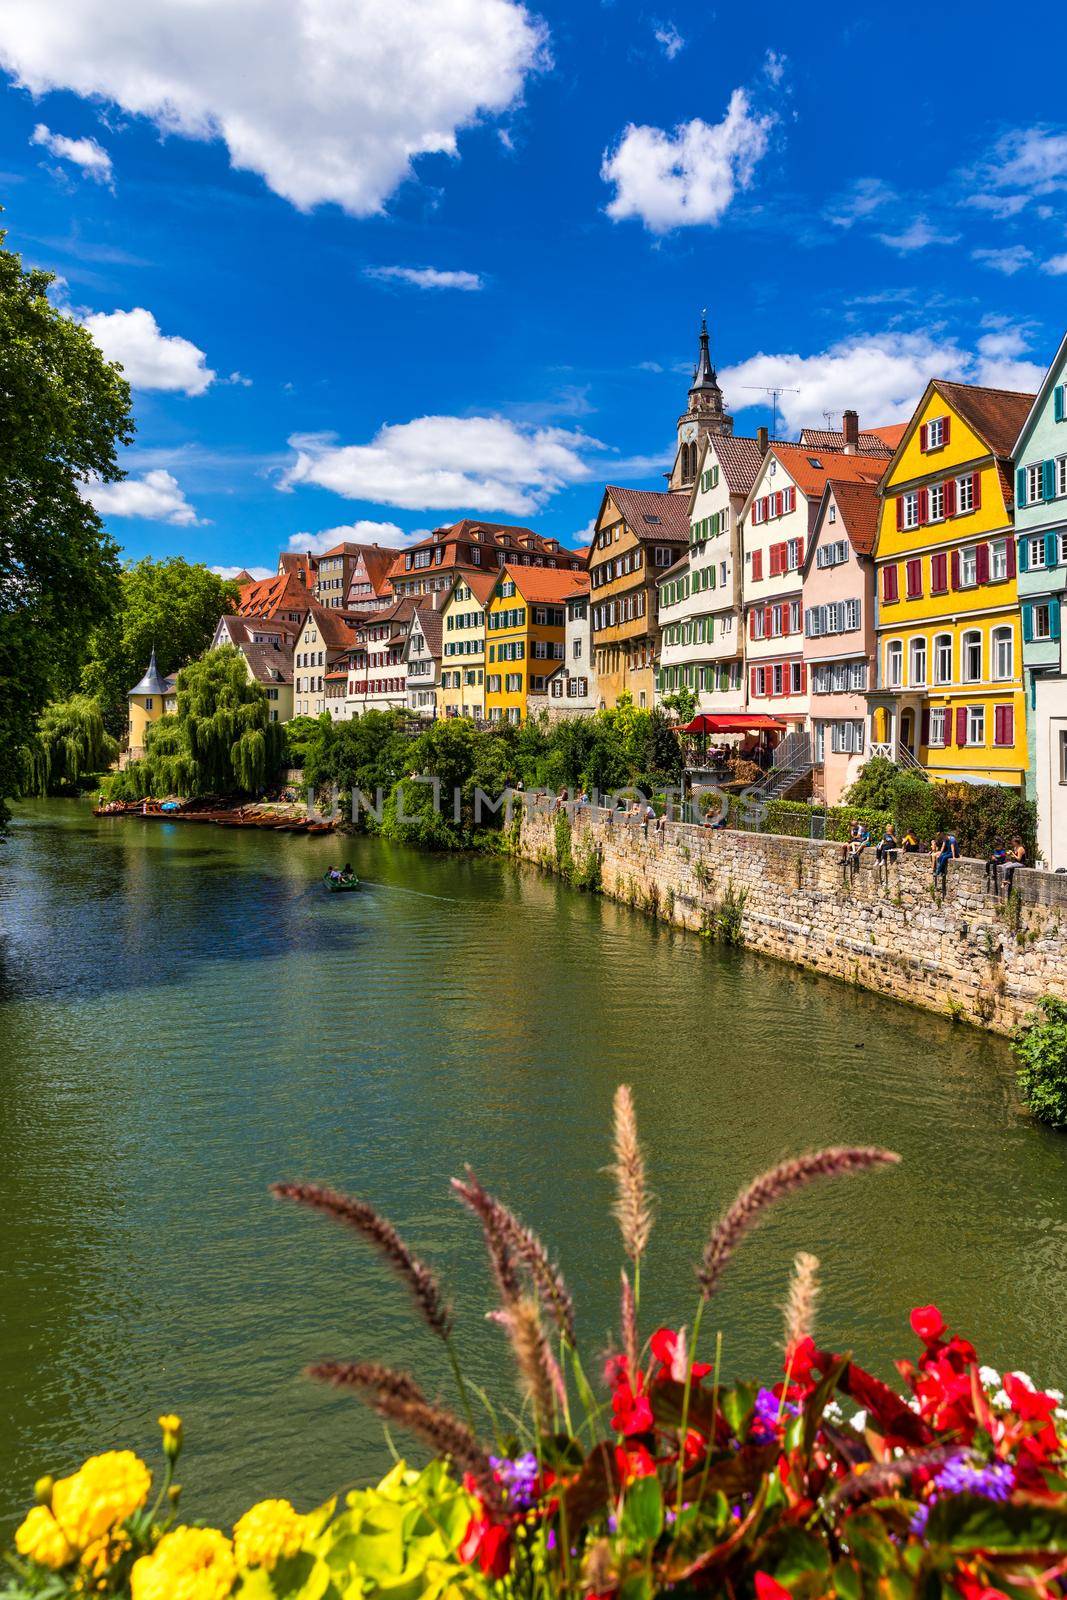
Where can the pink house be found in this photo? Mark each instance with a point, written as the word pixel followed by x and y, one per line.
pixel 839 639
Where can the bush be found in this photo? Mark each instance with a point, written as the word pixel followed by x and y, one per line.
pixel 794 819
pixel 977 813
pixel 1040 1047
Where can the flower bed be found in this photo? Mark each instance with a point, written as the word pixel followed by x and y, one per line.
pixel 823 1482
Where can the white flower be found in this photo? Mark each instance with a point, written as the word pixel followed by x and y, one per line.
pixel 1024 1377
pixel 1054 1394
pixel 990 1377
pixel 859 1421
pixel 833 1411
pixel 1001 1399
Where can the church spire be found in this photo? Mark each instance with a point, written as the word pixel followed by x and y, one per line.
pixel 703 373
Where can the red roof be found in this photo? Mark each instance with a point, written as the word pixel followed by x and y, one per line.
pixel 995 415
pixel 546 583
pixel 653 514
pixel 811 471
pixel 859 505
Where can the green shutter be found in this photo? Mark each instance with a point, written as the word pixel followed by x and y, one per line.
pixel 1028 624
pixel 1051 547
pixel 1054 617
pixel 1048 479
pixel 1058 407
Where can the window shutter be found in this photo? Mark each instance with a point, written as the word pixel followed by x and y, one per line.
pixel 803 677
pixel 950 497
pixel 800 552
pixel 1024 555
pixel 1004 725
pixel 924 507
pixel 961 724
pixel 939 573
pixel 1054 617
pixel 914 571
pixel 946 429
pixel 757 564
pixel 924 438
pixel 976 486
pixel 924 735
pixel 1020 486
pixel 889 584
pixel 981 563
pixel 1051 543
pixel 768 612
pixel 955 569
pixel 948 725
pixel 1048 479
pixel 1009 552
pixel 1058 407
pixel 752 682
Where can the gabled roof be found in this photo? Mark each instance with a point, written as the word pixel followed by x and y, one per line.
pixel 811 471
pixel 995 415
pixel 858 506
pixel 430 623
pixel 378 560
pixel 479 581
pixel 336 627
pixel 871 441
pixel 283 593
pixel 399 613
pixel 740 460
pixel 240 629
pixel 653 514
pixel 546 585
pixel 270 663
pixel 1048 383
pixel 291 561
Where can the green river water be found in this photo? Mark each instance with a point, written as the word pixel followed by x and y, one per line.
pixel 185 1015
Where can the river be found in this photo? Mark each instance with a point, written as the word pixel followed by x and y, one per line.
pixel 185 1015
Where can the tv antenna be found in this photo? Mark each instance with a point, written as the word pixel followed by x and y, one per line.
pixel 774 391
pixel 830 415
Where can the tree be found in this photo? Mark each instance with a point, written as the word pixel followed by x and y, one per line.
pixel 70 743
pixel 220 741
pixel 63 412
pixel 683 702
pixel 1040 1048
pixel 172 606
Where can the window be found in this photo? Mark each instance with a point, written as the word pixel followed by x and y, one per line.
pixel 1035 552
pixel 778 679
pixel 935 434
pixel 943 658
pixel 998 561
pixel 968 567
pixel 722 572
pixel 148 702
pixel 938 725
pixel 972 656
pixel 1003 725
pixel 964 494
pixel 910 510
pixel 1003 654
pixel 917 662
pixel 664 558
pixel 759 621
pixel 894 664
pixel 1061 476
pixel 1033 476
pixel 792 558
pixel 975 725
pixel 936 502
pixel 1040 616
pixel 831 515
pixel 846 738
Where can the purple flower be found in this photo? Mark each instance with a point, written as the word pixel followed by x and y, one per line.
pixel 519 1478
pixel 768 1406
pixel 993 1482
pixel 919 1520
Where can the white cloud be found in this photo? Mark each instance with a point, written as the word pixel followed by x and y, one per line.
pixel 774 66
pixel 649 366
pixel 999 205
pixel 688 177
pixel 1033 160
pixel 150 359
pixel 880 375
pixel 916 236
pixel 156 496
pixel 362 532
pixel 668 38
pixel 326 101
pixel 1009 260
pixel 258 573
pixel 426 277
pixel 1056 266
pixel 866 196
pixel 86 154
pixel 470 463
pixel 238 380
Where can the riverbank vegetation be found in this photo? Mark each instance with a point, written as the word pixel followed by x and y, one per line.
pixel 1040 1048
pixel 660 1474
pixel 978 814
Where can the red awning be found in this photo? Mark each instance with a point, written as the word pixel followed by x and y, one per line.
pixel 733 722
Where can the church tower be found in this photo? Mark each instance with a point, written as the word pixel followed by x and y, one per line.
pixel 706 414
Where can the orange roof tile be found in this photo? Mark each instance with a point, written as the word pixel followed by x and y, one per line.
pixel 537 584
pixel 810 471
pixel 654 514
pixel 858 505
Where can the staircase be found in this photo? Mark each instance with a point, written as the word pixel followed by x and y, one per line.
pixel 901 756
pixel 792 762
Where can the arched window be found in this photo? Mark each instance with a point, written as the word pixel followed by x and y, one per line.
pixel 1003 654
pixel 972 656
pixel 917 662
pixel 894 664
pixel 943 658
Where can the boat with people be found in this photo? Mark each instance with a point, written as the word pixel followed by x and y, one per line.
pixel 339 879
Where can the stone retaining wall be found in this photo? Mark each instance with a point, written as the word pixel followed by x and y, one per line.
pixel 970 954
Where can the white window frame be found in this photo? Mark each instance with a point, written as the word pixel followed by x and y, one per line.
pixel 938 726
pixel 936 502
pixel 964 494
pixel 1035 555
pixel 1034 482
pixel 966 644
pixel 969 567
pixel 1003 636
pixel 917 668
pixel 975 725
pixel 894 659
pixel 935 433
pixel 942 645
pixel 910 515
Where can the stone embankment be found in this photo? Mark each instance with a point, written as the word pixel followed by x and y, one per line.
pixel 971 954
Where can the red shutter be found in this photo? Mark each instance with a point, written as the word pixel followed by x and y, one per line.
pixel 791 498
pixel 757 564
pixel 981 563
pixel 752 682
pixel 1010 553
pixel 948 725
pixel 946 429
pixel 900 512
pixel 950 498
pixel 924 735
pixel 914 571
pixel 976 479
pixel 752 624
pixel 889 584
pixel 939 573
pixel 955 569
pixel 768 612
pixel 800 552
pixel 924 507
pixel 961 725
pixel 924 438
pixel 779 503
pixel 803 677
pixel 1008 724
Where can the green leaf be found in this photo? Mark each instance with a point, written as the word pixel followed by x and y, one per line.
pixel 642 1512
pixel 796 1553
pixel 848 1584
pixel 967 1522
pixel 638 1586
pixel 737 1406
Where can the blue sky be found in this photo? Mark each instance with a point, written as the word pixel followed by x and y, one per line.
pixel 378 264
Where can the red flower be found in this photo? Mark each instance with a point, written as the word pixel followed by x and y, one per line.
pixel 927 1323
pixel 670 1351
pixel 768 1588
pixel 633 1461
pixel 488 1543
pixel 971 1588
pixel 630 1408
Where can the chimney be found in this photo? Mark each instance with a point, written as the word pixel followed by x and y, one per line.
pixel 850 427
pixel 762 440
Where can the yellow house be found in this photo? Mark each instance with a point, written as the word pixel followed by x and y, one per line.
pixel 525 633
pixel 461 692
pixel 949 672
pixel 148 701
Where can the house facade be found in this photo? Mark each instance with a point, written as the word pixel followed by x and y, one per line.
pixel 422 661
pixel 323 636
pixel 376 674
pixel 430 566
pixel 949 691
pixel 462 687
pixel 638 534
pixel 702 639
pixel 777 524
pixel 525 633
pixel 839 632
pixel 1040 458
pixel 153 697
pixel 267 648
pixel 369 585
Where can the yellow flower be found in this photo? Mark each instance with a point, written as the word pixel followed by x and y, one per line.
pixel 100 1496
pixel 42 1539
pixel 266 1533
pixel 187 1564
pixel 172 1434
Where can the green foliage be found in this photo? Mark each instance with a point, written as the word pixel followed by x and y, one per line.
pixel 793 818
pixel 1040 1047
pixel 63 412
pixel 221 740
pixel 683 702
pixel 724 923
pixel 172 606
pixel 70 744
pixel 978 814
pixel 564 858
pixel 876 784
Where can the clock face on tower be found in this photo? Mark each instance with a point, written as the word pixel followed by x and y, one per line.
pixel 689 432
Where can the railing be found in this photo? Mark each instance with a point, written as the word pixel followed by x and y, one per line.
pixel 893 750
pixel 792 762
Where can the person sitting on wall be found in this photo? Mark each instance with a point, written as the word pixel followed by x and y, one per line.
pixel 888 845
pixel 941 854
pixel 997 858
pixel 910 842
pixel 859 837
pixel 1016 858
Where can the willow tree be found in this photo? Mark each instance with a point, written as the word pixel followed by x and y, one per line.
pixel 219 741
pixel 70 743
